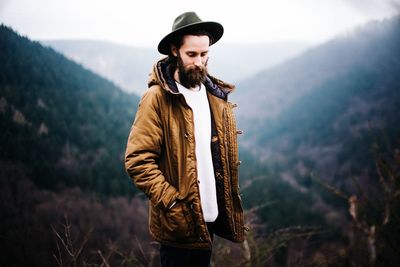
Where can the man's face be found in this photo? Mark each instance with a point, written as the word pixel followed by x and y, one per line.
pixel 192 60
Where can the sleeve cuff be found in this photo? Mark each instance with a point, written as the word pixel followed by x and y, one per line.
pixel 169 198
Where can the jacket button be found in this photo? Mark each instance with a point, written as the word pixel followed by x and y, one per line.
pixel 234 105
pixel 239 132
pixel 239 162
pixel 186 135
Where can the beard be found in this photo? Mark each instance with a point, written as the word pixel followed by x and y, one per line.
pixel 192 76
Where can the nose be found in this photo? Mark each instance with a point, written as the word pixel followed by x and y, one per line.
pixel 198 61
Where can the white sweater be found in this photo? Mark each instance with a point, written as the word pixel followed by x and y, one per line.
pixel 198 102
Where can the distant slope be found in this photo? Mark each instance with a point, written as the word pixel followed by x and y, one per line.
pixel 129 66
pixel 323 111
pixel 63 123
pixel 235 62
pixel 273 90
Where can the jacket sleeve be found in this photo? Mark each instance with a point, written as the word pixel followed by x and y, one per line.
pixel 143 151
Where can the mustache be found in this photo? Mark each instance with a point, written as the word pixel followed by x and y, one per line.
pixel 204 67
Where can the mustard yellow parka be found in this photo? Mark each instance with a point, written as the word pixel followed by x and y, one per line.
pixel 160 158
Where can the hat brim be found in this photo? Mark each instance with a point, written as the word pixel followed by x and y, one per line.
pixel 214 28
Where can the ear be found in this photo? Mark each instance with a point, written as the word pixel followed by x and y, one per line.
pixel 174 50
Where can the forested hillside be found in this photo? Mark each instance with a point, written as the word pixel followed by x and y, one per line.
pixel 322 111
pixel 62 141
pixel 327 124
pixel 61 122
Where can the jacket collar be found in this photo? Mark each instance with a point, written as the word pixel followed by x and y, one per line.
pixel 162 75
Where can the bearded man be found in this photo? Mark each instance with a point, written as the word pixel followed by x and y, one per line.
pixel 182 150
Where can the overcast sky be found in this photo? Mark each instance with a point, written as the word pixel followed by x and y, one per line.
pixel 145 22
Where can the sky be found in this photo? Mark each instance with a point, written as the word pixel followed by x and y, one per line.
pixel 144 23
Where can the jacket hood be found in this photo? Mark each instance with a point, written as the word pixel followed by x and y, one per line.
pixel 162 75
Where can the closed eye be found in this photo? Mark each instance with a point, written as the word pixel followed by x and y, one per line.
pixel 194 54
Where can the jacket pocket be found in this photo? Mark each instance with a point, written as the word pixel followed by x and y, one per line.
pixel 177 223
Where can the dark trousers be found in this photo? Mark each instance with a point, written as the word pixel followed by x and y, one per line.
pixel 183 257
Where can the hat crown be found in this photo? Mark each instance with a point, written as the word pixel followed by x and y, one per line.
pixel 185 19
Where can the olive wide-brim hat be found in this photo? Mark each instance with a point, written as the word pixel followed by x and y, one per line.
pixel 184 24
